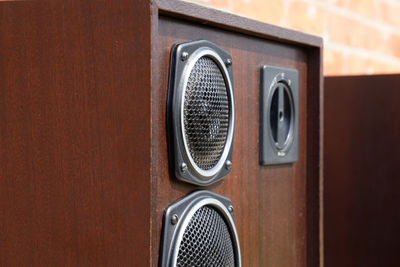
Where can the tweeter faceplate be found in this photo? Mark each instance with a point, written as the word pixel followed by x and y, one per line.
pixel 279 115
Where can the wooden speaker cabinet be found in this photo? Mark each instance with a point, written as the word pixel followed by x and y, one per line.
pixel 84 176
pixel 362 146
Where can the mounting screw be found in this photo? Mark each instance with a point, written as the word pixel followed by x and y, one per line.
pixel 174 219
pixel 283 75
pixel 289 82
pixel 230 208
pixel 184 167
pixel 228 164
pixel 228 62
pixel 184 56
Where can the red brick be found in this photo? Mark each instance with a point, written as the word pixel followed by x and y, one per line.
pixel 390 13
pixel 375 66
pixel 392 68
pixel 366 8
pixel 333 62
pixel 267 11
pixel 339 29
pixel 357 65
pixel 220 3
pixel 353 33
pixel 393 45
pixel 372 65
pixel 380 67
pixel 306 17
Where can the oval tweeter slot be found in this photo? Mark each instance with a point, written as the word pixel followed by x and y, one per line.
pixel 278 125
pixel 280 119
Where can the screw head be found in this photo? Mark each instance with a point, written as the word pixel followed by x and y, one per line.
pixel 174 219
pixel 228 164
pixel 289 82
pixel 230 208
pixel 184 167
pixel 184 56
pixel 228 62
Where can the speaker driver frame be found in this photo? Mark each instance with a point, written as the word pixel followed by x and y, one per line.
pixel 183 58
pixel 178 216
pixel 271 152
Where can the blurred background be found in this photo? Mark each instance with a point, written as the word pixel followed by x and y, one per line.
pixel 360 36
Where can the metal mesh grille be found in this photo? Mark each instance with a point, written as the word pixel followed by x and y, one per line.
pixel 206 113
pixel 206 241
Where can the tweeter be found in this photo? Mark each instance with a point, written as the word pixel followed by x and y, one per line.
pixel 279 115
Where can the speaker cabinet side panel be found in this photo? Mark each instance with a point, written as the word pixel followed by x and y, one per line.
pixel 270 202
pixel 75 133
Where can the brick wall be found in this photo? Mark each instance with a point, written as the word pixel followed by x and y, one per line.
pixel 360 36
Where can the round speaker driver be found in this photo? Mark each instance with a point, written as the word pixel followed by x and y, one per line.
pixel 206 113
pixel 199 230
pixel 200 112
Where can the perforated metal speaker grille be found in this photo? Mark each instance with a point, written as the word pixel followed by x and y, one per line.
pixel 206 241
pixel 206 113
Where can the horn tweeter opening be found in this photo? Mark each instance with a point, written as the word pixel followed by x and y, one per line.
pixel 279 115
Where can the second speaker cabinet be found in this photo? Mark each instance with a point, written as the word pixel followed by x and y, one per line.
pixel 85 172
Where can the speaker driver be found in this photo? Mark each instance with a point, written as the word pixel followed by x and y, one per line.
pixel 200 112
pixel 206 113
pixel 279 115
pixel 199 231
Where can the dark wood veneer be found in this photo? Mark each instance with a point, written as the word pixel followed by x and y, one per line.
pixel 362 147
pixel 276 208
pixel 84 177
pixel 74 133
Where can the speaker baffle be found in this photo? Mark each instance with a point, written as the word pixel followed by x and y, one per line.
pixel 200 112
pixel 199 230
pixel 279 115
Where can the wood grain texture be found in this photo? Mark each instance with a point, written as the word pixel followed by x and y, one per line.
pixel 84 177
pixel 277 223
pixel 230 22
pixel 74 133
pixel 362 147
